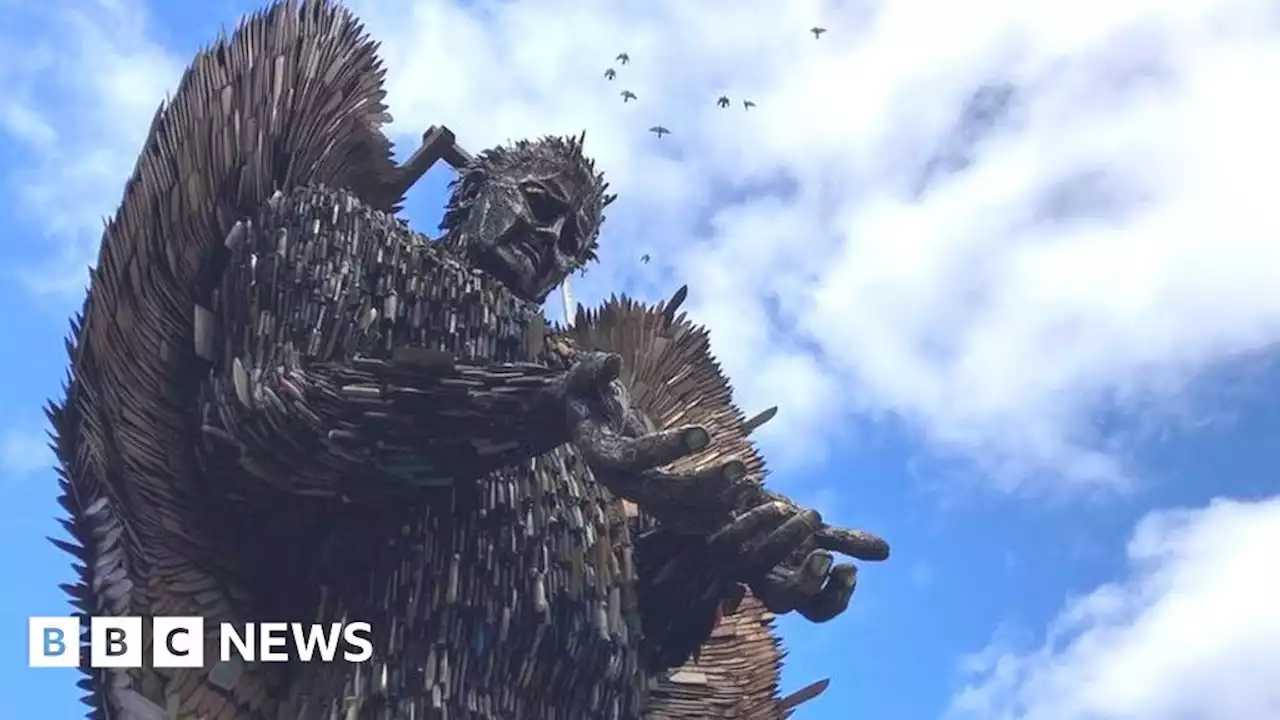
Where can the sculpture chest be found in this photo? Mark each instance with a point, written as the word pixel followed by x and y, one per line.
pixel 508 598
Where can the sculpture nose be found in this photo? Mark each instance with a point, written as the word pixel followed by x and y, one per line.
pixel 556 228
pixel 562 236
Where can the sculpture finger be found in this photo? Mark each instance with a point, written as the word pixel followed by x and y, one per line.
pixel 810 577
pixel 713 487
pixel 747 526
pixel 834 597
pixel 657 491
pixel 772 592
pixel 608 449
pixel 854 543
pixel 788 589
pixel 781 543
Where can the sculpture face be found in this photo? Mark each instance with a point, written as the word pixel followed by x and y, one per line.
pixel 528 214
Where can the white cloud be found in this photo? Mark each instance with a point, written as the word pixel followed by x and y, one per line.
pixel 1108 241
pixel 1191 634
pixel 1111 238
pixel 82 81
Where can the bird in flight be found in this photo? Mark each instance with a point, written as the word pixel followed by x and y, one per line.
pixel 610 74
pixel 623 58
pixel 659 130
pixel 723 101
pixel 628 95
pixel 645 258
pixel 747 104
pixel 817 31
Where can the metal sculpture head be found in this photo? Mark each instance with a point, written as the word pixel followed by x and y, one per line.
pixel 528 213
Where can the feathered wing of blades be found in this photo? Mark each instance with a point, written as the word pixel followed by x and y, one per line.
pixel 294 96
pixel 675 379
pixel 737 673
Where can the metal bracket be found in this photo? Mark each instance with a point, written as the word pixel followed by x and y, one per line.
pixel 438 143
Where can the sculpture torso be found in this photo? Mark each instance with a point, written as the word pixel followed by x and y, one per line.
pixel 511 598
pixel 508 598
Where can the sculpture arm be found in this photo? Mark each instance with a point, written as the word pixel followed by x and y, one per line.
pixel 681 593
pixel 338 343
pixel 693 558
pixel 373 427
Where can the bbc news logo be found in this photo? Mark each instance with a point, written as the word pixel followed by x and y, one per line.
pixel 178 642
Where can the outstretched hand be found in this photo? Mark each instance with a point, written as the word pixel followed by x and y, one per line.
pixel 785 553
pixel 623 449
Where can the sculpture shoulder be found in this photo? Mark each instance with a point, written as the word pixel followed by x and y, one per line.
pixel 319 275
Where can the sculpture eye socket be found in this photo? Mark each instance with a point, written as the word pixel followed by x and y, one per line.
pixel 568 241
pixel 545 207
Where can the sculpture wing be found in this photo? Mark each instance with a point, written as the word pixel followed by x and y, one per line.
pixel 737 673
pixel 293 97
pixel 668 366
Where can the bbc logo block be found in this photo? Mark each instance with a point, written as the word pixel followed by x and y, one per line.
pixel 53 642
pixel 115 642
pixel 179 642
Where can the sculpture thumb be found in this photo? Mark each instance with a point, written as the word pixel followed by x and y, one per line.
pixel 593 371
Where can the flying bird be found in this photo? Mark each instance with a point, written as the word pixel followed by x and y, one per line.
pixel 623 58
pixel 747 104
pixel 628 95
pixel 723 101
pixel 645 258
pixel 659 130
pixel 817 31
pixel 610 74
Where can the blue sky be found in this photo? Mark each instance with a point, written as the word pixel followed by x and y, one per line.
pixel 1030 341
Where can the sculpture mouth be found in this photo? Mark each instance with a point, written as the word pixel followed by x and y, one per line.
pixel 515 263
